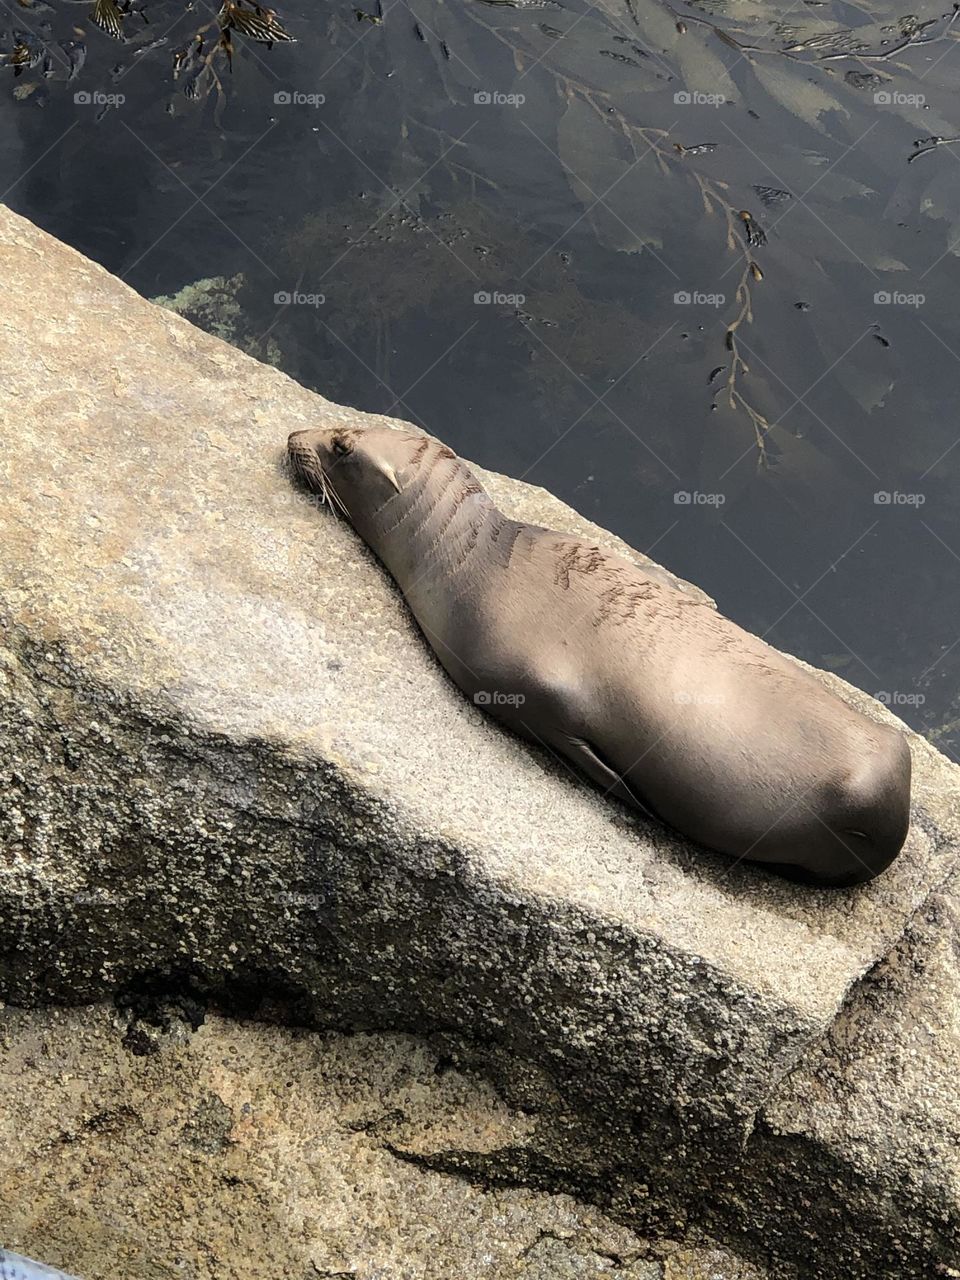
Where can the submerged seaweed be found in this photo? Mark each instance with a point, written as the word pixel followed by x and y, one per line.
pixel 198 65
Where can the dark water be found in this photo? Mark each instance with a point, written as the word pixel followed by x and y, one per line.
pixel 804 470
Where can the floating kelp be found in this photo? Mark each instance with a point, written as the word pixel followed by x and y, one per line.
pixel 863 79
pixel 912 32
pixel 75 52
pixel 198 64
pixel 28 51
pixel 619 57
pixel 772 197
pixel 727 55
pixel 108 15
pixel 698 148
pixel 925 145
pixel 32 88
pixel 755 234
pixel 524 4
pixel 253 21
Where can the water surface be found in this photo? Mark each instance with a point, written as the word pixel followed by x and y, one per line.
pixel 523 228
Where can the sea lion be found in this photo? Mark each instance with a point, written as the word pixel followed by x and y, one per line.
pixel 655 696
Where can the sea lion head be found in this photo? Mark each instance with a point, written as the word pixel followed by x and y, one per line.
pixel 357 470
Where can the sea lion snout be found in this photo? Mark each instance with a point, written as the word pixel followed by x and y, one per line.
pixel 314 440
pixel 317 450
pixel 312 459
pixel 356 470
pixel 299 447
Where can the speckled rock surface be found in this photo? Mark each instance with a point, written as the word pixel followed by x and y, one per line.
pixel 852 1169
pixel 227 752
pixel 877 1105
pixel 229 766
pixel 239 1151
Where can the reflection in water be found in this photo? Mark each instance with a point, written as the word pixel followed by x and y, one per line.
pixel 692 266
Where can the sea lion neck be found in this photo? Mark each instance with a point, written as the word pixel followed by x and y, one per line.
pixel 439 524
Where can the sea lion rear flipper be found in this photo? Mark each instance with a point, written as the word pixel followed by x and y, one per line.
pixel 586 758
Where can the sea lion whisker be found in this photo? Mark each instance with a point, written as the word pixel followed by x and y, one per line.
pixel 330 495
pixel 307 466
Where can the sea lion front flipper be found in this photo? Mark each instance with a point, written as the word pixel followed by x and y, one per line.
pixel 595 767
